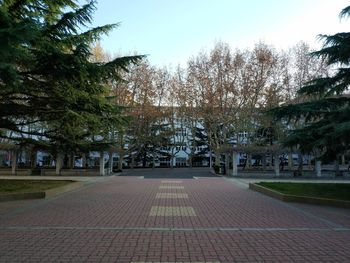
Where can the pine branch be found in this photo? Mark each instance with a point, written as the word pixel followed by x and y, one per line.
pixel 345 12
pixel 71 22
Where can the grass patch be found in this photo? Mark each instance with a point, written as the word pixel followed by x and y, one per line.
pixel 28 186
pixel 318 190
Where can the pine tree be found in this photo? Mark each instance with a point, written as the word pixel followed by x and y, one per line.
pixel 51 92
pixel 325 111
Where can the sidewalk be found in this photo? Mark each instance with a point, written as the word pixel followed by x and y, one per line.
pixel 129 219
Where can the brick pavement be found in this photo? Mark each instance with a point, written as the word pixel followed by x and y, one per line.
pixel 111 221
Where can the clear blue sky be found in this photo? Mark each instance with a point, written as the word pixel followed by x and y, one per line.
pixel 171 31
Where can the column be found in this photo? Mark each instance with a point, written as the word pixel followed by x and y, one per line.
pixel 110 162
pixel 102 164
pixel 277 166
pixel 234 164
pixel 318 168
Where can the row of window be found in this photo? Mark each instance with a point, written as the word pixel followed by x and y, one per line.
pixel 183 148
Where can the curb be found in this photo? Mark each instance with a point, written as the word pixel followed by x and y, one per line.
pixel 299 199
pixel 43 194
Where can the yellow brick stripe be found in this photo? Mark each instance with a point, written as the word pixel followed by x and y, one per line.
pixel 171 182
pixel 170 187
pixel 172 211
pixel 170 196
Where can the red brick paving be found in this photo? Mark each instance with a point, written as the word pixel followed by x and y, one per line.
pixel 110 222
pixel 172 246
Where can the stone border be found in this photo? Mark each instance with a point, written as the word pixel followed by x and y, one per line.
pixel 44 194
pixel 298 199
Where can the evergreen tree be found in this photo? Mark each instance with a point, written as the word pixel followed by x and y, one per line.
pixel 50 89
pixel 201 144
pixel 325 111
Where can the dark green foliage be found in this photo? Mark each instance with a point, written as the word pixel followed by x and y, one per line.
pixel 323 190
pixel 264 136
pixel 152 144
pixel 50 91
pixel 325 111
pixel 200 139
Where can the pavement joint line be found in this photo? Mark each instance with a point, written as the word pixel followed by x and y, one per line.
pixel 172 229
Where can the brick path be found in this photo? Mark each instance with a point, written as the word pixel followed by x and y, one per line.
pixel 130 219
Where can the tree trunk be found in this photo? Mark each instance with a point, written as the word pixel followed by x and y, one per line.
pixel 144 160
pixel 249 161
pixel 132 161
pixel 263 160
pixel 120 160
pixel 121 150
pixel 83 157
pixel 153 162
pixel 210 159
pixel 217 158
pixel 102 164
pixel 234 164
pixel 343 159
pixel 33 159
pixel 14 162
pixel 309 162
pixel 71 161
pixel 227 164
pixel 277 166
pixel 300 164
pixel 59 162
pixel 336 167
pixel 290 161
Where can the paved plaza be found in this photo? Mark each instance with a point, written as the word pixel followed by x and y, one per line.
pixel 163 215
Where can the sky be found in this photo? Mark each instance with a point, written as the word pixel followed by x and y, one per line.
pixel 172 31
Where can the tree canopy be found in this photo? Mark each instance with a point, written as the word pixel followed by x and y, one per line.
pixel 325 108
pixel 50 90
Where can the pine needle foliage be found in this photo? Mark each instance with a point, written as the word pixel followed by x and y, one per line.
pixel 325 111
pixel 49 88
